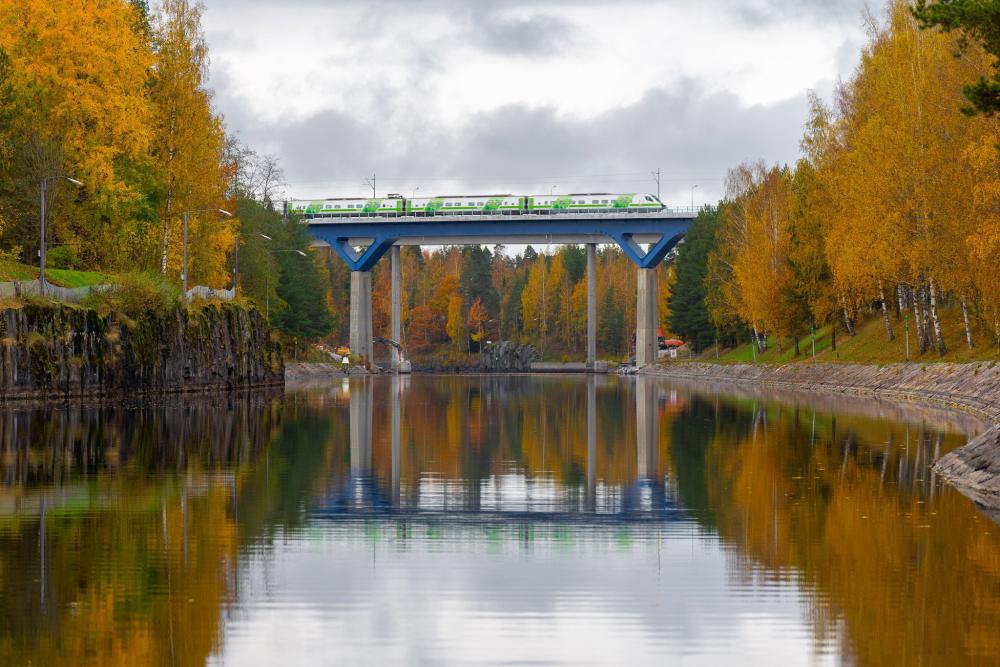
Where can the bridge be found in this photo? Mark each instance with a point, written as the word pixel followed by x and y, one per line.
pixel 362 240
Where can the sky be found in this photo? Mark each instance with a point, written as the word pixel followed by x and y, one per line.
pixel 440 97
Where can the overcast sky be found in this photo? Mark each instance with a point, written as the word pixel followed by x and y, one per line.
pixel 520 96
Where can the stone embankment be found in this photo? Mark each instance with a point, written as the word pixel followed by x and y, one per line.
pixel 60 351
pixel 972 387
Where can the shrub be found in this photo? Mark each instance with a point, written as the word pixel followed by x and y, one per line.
pixel 62 257
pixel 135 293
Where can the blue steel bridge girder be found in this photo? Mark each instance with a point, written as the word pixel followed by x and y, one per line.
pixel 379 237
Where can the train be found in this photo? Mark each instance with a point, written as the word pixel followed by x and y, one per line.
pixel 504 204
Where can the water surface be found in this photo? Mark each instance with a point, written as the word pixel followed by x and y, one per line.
pixel 530 520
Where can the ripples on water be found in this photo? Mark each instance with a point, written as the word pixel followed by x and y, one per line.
pixel 563 520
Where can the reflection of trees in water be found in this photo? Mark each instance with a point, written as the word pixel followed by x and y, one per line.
pixel 45 445
pixel 132 565
pixel 849 506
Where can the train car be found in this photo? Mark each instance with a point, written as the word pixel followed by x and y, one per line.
pixel 346 207
pixel 593 202
pixel 465 204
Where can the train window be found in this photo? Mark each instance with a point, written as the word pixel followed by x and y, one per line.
pixel 337 206
pixel 595 202
pixel 604 201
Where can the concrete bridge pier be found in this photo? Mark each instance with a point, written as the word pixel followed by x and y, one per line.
pixel 591 306
pixel 647 318
pixel 361 316
pixel 396 329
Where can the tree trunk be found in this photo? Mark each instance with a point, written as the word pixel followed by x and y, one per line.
pixel 166 235
pixel 885 313
pixel 833 334
pixel 917 295
pixel 848 323
pixel 901 301
pixel 935 320
pixel 795 342
pixel 965 318
pixel 925 309
pixel 996 328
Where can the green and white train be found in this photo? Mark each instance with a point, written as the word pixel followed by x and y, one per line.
pixel 476 205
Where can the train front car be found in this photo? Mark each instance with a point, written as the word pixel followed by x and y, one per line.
pixel 593 202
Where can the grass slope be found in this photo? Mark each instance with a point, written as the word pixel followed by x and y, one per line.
pixel 871 346
pixel 10 270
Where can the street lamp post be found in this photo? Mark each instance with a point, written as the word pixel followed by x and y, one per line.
pixel 41 246
pixel 187 218
pixel 692 196
pixel 267 278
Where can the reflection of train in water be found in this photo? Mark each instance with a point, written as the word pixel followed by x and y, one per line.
pixel 477 205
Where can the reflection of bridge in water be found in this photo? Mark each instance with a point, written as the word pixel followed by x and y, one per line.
pixel 500 498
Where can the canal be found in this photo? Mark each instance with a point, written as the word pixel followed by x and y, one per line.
pixel 493 519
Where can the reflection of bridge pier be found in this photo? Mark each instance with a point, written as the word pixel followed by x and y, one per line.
pixel 648 493
pixel 361 427
pixel 591 442
pixel 394 389
pixel 647 427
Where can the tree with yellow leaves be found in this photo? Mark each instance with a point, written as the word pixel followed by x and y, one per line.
pixel 188 145
pixel 78 105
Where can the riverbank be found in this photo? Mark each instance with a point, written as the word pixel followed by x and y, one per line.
pixel 970 387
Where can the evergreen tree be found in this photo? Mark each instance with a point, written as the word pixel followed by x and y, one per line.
pixel 612 324
pixel 477 279
pixel 300 286
pixel 980 21
pixel 689 317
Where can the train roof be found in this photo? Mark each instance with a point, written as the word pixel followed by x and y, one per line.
pixel 589 194
pixel 467 196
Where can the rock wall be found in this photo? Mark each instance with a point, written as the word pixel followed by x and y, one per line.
pixel 506 357
pixel 51 351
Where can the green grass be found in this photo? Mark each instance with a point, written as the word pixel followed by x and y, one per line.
pixel 871 345
pixel 10 270
pixel 70 278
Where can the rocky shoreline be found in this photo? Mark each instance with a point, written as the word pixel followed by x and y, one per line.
pixel 972 388
pixel 56 351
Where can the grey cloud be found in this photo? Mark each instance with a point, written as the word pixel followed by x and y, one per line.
pixel 750 12
pixel 694 136
pixel 536 35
